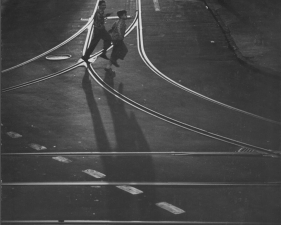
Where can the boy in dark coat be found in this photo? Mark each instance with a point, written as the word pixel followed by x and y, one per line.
pixel 99 33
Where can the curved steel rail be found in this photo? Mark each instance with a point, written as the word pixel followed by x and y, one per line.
pixel 103 84
pixel 129 101
pixel 163 76
pixel 58 46
pixel 186 126
pixel 82 63
pixel 238 154
pixel 160 184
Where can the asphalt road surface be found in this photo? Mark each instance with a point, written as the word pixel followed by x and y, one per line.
pixel 183 134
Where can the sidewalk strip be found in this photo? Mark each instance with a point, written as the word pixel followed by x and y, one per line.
pixel 14 134
pixel 131 190
pixel 62 159
pixel 156 5
pixel 37 147
pixel 171 208
pixel 94 173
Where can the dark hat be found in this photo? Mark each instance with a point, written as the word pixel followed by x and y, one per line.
pixel 121 12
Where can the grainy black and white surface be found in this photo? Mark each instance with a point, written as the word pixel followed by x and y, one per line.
pixel 72 113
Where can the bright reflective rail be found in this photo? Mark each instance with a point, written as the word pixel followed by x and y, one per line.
pixel 65 222
pixel 102 183
pixel 252 154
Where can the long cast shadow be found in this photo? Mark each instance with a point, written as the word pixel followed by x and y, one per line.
pixel 130 138
pixel 102 141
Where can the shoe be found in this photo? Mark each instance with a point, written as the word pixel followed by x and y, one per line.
pixel 103 55
pixel 84 58
pixel 115 63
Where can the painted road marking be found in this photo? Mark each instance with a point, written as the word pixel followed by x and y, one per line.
pixel 94 173
pixel 37 147
pixel 109 18
pixel 62 159
pixel 116 17
pixel 14 134
pixel 92 60
pixel 131 190
pixel 171 208
pixel 58 57
pixel 157 72
pixel 246 150
pixel 156 5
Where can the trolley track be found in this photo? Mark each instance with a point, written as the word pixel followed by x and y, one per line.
pixel 96 77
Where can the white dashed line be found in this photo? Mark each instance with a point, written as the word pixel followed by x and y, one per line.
pixel 159 73
pixel 58 57
pixel 94 173
pixel 37 147
pixel 62 159
pixel 156 5
pixel 131 190
pixel 171 208
pixel 14 134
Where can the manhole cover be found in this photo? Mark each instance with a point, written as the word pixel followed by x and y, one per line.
pixel 58 57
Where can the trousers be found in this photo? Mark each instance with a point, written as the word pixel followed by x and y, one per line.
pixel 98 34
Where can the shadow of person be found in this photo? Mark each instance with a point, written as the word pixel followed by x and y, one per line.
pixel 102 141
pixel 129 138
pixel 121 205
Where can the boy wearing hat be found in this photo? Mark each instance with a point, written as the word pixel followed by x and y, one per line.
pixel 117 33
pixel 99 33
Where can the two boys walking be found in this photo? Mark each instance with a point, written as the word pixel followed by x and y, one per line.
pixel 115 35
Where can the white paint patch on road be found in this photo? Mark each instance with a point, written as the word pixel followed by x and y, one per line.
pixel 58 57
pixel 14 134
pixel 94 173
pixel 248 150
pixel 37 147
pixel 116 17
pixel 92 60
pixel 131 190
pixel 62 159
pixel 156 5
pixel 171 208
